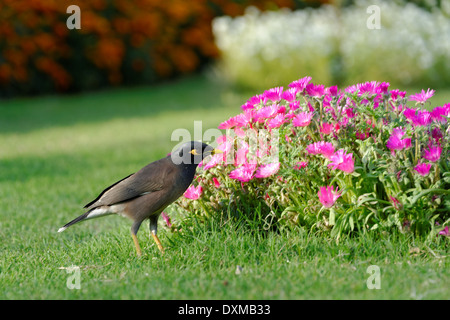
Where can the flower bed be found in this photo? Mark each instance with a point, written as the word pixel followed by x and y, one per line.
pixel 338 161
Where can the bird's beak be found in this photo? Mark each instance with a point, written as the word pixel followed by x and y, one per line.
pixel 194 152
pixel 216 151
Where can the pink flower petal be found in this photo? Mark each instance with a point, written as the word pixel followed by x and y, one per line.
pixel 328 196
pixel 267 170
pixel 303 119
pixel 433 153
pixel 244 173
pixel 193 192
pixel 423 168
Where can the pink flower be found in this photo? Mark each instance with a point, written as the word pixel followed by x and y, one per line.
pixel 247 106
pixel 361 135
pixel 383 87
pixel 266 170
pixel 301 165
pixel 166 219
pixel 300 84
pixel 222 139
pixel 351 89
pixel 342 161
pixel 437 134
pixel 396 94
pixel 333 90
pixel 324 148
pixel 213 161
pixel 409 113
pixel 273 94
pixel 327 196
pixel 422 96
pixel 216 182
pixel 290 94
pixel 395 142
pixel 433 153
pixel 372 87
pixel 228 124
pixel 239 132
pixel 315 148
pixel 243 119
pixel 266 112
pixel 398 132
pixel 343 122
pixel 326 128
pixel 407 143
pixel 327 150
pixel 350 113
pixel 241 153
pixel 294 105
pixel 423 168
pixel 421 118
pixel 445 232
pixel 281 109
pixel 193 192
pixel 217 159
pixel 225 146
pixel 276 122
pixel 244 173
pixel 315 90
pixel 253 101
pixel 303 119
pixel 438 114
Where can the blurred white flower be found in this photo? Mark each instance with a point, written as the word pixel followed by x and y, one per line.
pixel 262 49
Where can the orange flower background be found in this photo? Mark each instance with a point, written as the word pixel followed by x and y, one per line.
pixel 120 41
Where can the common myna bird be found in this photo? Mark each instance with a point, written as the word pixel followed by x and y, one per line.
pixel 146 193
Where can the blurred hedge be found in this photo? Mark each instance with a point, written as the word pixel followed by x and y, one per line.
pixel 120 41
pixel 335 45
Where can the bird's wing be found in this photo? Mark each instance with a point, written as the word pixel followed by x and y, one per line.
pixel 148 179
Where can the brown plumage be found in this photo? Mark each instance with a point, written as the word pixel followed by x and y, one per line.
pixel 146 193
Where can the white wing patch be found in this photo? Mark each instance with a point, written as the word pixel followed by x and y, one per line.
pixel 106 210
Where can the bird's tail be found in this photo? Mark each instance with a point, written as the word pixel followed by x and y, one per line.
pixel 93 213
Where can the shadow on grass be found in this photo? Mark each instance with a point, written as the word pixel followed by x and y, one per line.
pixel 27 114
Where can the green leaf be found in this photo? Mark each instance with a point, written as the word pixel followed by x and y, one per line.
pixel 427 191
pixel 352 225
pixel 332 217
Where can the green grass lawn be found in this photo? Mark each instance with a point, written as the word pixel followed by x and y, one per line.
pixel 58 152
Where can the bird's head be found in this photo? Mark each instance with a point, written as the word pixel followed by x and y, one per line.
pixel 193 152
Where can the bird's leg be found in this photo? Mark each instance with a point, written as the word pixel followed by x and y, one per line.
pixel 136 244
pixel 160 247
pixel 134 230
pixel 153 231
